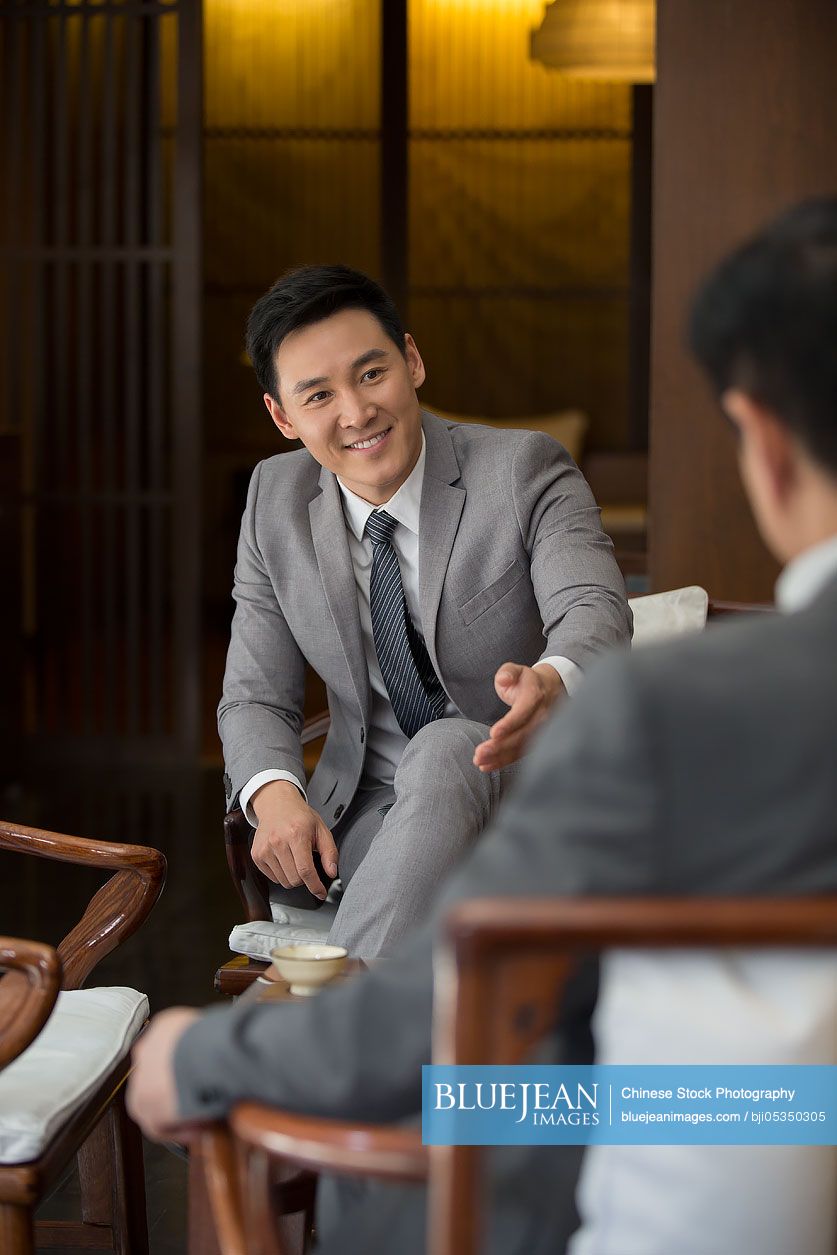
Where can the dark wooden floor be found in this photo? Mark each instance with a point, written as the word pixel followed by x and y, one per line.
pixel 173 958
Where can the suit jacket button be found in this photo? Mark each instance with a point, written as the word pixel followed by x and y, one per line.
pixel 339 811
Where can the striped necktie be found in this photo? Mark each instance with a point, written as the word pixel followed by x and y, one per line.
pixel 414 689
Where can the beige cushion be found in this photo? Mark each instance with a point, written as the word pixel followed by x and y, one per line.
pixel 662 615
pixel 320 918
pixel 258 938
pixel 568 427
pixel 89 1031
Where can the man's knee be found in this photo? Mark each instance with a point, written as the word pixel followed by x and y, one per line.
pixel 440 744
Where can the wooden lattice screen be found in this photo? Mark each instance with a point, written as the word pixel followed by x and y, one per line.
pixel 100 368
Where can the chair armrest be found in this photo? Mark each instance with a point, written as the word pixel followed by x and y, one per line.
pixel 315 727
pixel 252 887
pixel 116 911
pixel 483 926
pixel 27 993
pixel 389 1152
pixel 718 608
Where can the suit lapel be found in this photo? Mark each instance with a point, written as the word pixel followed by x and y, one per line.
pixel 328 532
pixel 442 500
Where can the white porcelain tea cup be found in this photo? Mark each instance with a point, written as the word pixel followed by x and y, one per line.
pixel 309 965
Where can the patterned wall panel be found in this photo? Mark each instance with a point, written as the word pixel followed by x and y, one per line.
pixel 519 216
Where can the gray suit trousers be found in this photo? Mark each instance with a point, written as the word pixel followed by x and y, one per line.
pixel 398 843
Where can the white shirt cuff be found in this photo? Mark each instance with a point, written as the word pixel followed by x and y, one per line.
pixel 569 671
pixel 256 782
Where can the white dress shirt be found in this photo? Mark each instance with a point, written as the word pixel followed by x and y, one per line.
pixel 385 741
pixel 806 576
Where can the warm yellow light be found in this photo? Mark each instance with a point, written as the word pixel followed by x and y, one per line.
pixel 598 39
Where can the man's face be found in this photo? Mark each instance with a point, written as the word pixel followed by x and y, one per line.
pixel 349 395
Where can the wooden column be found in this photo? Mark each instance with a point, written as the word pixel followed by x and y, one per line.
pixel 745 125
pixel 395 111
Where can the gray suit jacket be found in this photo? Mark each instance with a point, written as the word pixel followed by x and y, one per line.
pixel 704 766
pixel 513 566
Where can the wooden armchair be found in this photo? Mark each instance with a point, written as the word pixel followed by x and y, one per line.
pixel 93 1125
pixel 500 973
pixel 251 885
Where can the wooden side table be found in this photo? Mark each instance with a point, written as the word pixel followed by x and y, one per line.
pixel 241 973
pixel 237 975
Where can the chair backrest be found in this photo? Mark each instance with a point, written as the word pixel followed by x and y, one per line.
pixel 502 969
pixel 500 972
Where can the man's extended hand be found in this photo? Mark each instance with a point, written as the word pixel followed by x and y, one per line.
pixel 530 692
pixel 152 1095
pixel 289 832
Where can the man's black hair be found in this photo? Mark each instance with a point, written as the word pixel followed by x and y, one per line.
pixel 307 295
pixel 765 321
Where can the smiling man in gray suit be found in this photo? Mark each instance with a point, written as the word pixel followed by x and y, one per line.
pixel 431 573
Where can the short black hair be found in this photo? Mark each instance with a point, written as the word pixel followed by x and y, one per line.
pixel 307 295
pixel 765 321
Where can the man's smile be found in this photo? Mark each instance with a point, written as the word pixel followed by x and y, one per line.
pixel 370 442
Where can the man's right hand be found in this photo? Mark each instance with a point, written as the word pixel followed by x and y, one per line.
pixel 289 832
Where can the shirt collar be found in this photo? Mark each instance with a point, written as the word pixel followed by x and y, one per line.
pixel 806 576
pixel 403 505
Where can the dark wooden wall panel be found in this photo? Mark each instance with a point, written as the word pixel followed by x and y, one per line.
pixel 745 125
pixel 100 366
pixel 10 581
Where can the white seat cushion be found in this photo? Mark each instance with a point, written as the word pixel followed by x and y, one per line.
pixel 662 615
pixel 88 1032
pixel 320 918
pixel 258 938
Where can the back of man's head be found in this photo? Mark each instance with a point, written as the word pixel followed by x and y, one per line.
pixel 765 322
pixel 305 296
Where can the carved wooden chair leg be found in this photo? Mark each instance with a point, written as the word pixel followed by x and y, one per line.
pixel 130 1219
pixel 112 1178
pixel 95 1172
pixel 17 1230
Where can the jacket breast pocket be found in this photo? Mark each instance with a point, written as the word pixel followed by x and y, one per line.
pixel 484 600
